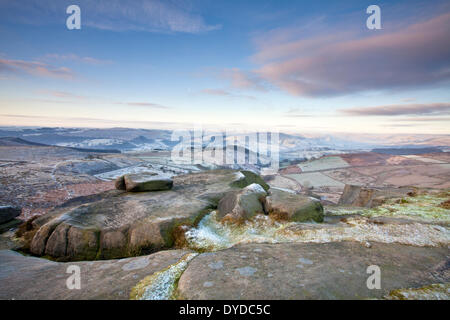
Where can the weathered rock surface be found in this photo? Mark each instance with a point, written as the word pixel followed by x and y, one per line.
pixel 25 277
pixel 238 206
pixel 293 207
pixel 119 183
pixel 119 224
pixel 358 196
pixel 311 271
pixel 8 213
pixel 146 182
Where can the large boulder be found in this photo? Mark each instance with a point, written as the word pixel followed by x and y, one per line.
pixel 335 270
pixel 141 182
pixel 119 183
pixel 359 196
pixel 8 213
pixel 118 224
pixel 238 206
pixel 285 205
pixel 30 278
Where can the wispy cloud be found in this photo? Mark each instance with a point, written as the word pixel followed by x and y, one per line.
pixel 35 68
pixel 225 93
pixel 296 113
pixel 93 121
pixel 114 15
pixel 398 109
pixel 240 79
pixel 345 62
pixel 70 97
pixel 145 104
pixel 75 58
pixel 425 119
pixel 61 94
pixel 216 92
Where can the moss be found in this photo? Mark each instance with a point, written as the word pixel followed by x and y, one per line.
pixel 439 291
pixel 250 178
pixel 423 206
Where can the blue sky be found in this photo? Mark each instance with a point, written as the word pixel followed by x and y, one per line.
pixel 298 66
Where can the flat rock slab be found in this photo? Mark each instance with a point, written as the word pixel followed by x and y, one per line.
pixel 25 277
pixel 311 271
pixel 119 224
pixel 146 182
pixel 8 213
pixel 358 196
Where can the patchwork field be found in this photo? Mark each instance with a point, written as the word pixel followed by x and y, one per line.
pixel 423 159
pixel 328 175
pixel 324 163
pixel 315 180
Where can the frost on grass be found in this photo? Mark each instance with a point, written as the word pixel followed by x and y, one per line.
pixel 161 285
pixel 426 207
pixel 439 291
pixel 211 235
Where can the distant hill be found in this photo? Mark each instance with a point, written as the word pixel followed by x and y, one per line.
pixel 406 151
pixel 18 142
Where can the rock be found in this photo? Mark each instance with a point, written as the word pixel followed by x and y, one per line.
pixel 118 224
pixel 106 280
pixel 250 177
pixel 147 182
pixel 310 271
pixel 14 223
pixel 8 213
pixel 358 196
pixel 119 184
pixel 293 207
pixel 238 206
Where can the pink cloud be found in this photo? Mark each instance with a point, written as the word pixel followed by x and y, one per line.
pixel 35 68
pixel 342 63
pixel 242 80
pixel 76 58
pixel 398 109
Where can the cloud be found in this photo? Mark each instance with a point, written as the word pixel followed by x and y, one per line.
pixel 145 104
pixel 398 109
pixel 224 93
pixel 35 68
pixel 77 98
pixel 408 99
pixel 425 119
pixel 298 116
pixel 95 121
pixel 345 62
pixel 296 113
pixel 243 80
pixel 61 94
pixel 216 92
pixel 164 16
pixel 76 58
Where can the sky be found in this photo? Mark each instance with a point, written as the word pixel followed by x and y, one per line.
pixel 295 66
